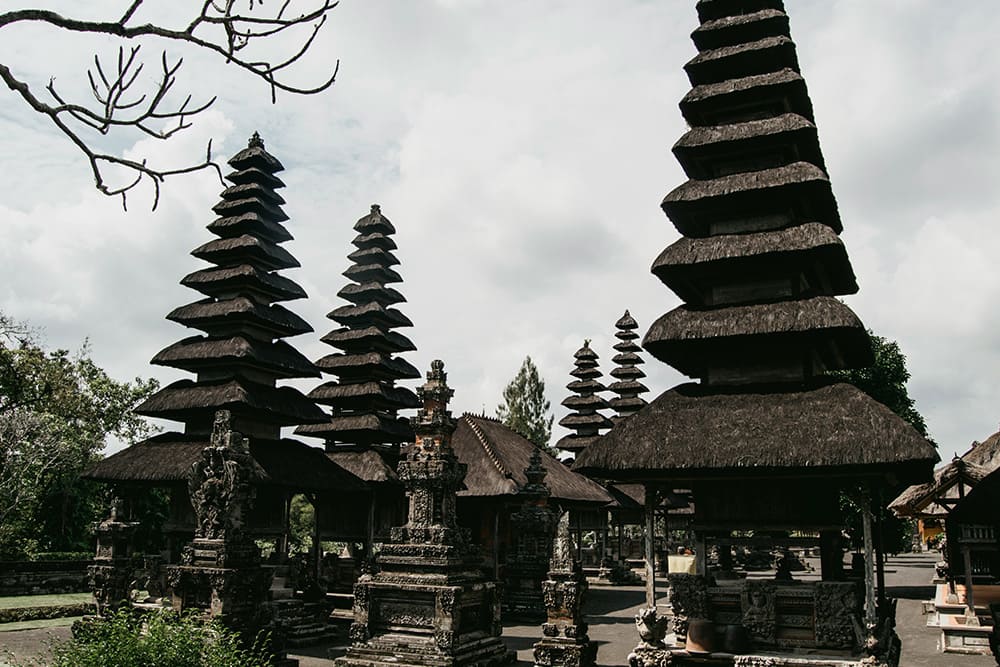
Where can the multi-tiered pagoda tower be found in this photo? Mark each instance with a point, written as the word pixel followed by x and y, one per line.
pixel 364 400
pixel 238 359
pixel 627 373
pixel 585 419
pixel 765 441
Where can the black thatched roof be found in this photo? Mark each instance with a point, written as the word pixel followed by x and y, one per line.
pixel 713 10
pixel 167 458
pixel 238 314
pixel 365 465
pixel 712 103
pixel 692 432
pixel 742 60
pixel 265 253
pixel 980 505
pixel 278 358
pixel 496 457
pixel 186 400
pixel 740 28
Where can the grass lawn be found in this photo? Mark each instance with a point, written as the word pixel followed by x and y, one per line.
pixel 41 623
pixel 19 601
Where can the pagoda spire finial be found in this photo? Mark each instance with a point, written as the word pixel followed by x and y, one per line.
pixel 255 141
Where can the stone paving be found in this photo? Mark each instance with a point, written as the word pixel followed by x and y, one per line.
pixel 610 611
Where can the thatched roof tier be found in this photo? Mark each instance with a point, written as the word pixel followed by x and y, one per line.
pixel 199 353
pixel 575 443
pixel 373 255
pixel 377 396
pixel 710 151
pixel 252 190
pixel 360 429
pixel 368 365
pixel 236 207
pixel 255 157
pixel 590 422
pixel 374 240
pixel 369 314
pixel 370 292
pixel 250 223
pixel 737 100
pixel 740 28
pixel 374 222
pixel 255 175
pixel 367 466
pixel 821 327
pixel 226 281
pixel 239 314
pixel 693 432
pixel 497 457
pixel 192 402
pixel 590 401
pixel 741 60
pixel 367 273
pixel 770 198
pixel 627 387
pixel 371 338
pixel 713 10
pixel 167 459
pixel 810 258
pixel 246 248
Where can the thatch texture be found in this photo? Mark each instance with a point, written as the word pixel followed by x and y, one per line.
pixel 741 60
pixel 377 339
pixel 245 246
pixel 787 87
pixel 212 315
pixel 740 28
pixel 278 358
pixel 250 222
pixel 692 432
pixel 185 399
pixel 367 466
pixel 713 10
pixel 167 459
pixel 218 281
pixel 255 175
pixel 709 135
pixel 252 190
pixel 496 458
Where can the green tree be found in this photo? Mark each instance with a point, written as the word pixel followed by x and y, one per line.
pixel 885 381
pixel 57 412
pixel 524 408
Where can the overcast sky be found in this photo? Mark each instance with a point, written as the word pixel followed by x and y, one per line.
pixel 521 149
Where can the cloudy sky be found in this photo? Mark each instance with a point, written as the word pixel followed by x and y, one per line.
pixel 521 149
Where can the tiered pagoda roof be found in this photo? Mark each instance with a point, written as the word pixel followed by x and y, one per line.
pixel 240 354
pixel 759 268
pixel 585 419
pixel 364 400
pixel 627 372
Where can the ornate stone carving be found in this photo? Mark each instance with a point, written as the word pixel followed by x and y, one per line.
pixel 836 607
pixel 757 605
pixel 651 629
pixel 111 575
pixel 219 483
pixel 688 599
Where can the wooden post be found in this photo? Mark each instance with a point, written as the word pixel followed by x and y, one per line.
pixel 317 545
pixel 286 531
pixel 370 529
pixel 700 555
pixel 970 602
pixel 621 556
pixel 496 545
pixel 650 538
pixel 879 554
pixel 871 612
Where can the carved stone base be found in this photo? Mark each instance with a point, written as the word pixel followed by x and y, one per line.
pixel 110 581
pixel 562 653
pixel 234 596
pixel 644 656
pixel 522 598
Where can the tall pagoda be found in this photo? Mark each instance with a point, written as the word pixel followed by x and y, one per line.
pixel 585 420
pixel 364 401
pixel 627 374
pixel 765 440
pixel 237 360
pixel 363 431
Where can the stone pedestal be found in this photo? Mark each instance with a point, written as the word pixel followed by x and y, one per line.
pixel 428 603
pixel 565 642
pixel 110 577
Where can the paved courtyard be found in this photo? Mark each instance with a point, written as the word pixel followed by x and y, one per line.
pixel 610 611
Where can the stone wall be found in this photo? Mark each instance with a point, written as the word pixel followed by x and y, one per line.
pixel 43 577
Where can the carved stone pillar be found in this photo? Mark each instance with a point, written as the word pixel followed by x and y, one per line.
pixel 565 642
pixel 111 575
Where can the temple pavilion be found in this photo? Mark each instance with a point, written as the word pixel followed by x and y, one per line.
pixel 237 359
pixel 766 442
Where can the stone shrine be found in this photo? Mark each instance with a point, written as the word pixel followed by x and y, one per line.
pixel 110 577
pixel 428 603
pixel 565 642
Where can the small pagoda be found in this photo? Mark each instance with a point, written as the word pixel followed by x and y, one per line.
pixel 363 431
pixel 428 603
pixel 765 440
pixel 627 374
pixel 585 418
pixel 237 360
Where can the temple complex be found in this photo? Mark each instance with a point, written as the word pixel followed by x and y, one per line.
pixel 764 440
pixel 428 603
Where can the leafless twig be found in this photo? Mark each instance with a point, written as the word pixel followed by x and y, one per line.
pixel 220 27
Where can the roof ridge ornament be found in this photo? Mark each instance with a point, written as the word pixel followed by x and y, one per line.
pixel 255 141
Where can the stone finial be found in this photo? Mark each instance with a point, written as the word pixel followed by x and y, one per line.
pixel 255 141
pixel 376 209
pixel 535 472
pixel 435 393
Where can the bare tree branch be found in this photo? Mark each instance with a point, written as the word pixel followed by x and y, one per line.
pixel 220 27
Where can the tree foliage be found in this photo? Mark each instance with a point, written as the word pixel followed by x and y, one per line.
pixel 524 408
pixel 57 411
pixel 260 39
